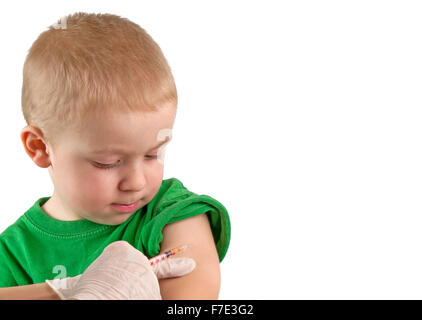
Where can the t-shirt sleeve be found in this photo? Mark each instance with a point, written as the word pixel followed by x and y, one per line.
pixel 7 262
pixel 174 202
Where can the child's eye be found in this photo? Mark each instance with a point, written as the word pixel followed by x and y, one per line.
pixel 104 166
pixel 113 165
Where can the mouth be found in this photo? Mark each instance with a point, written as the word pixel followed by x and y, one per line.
pixel 124 204
pixel 125 207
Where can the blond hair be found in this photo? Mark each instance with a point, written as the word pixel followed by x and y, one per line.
pixel 96 63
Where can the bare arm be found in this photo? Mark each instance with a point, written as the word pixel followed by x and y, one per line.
pixel 39 291
pixel 204 281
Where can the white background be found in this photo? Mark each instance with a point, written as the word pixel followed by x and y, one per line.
pixel 302 117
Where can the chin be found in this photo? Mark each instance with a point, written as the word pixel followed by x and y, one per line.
pixel 110 221
pixel 118 219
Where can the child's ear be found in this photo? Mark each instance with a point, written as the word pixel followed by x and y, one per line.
pixel 33 142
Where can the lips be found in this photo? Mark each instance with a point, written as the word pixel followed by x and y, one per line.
pixel 124 204
pixel 125 207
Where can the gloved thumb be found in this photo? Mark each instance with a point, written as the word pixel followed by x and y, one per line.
pixel 173 267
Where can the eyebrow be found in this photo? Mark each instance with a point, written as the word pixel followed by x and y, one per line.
pixel 122 151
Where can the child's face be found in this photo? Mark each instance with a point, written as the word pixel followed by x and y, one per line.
pixel 84 190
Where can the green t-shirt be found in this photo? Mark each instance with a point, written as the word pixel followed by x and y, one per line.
pixel 38 247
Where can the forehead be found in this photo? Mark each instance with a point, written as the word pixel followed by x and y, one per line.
pixel 132 131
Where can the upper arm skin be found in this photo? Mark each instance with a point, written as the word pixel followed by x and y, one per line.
pixel 204 281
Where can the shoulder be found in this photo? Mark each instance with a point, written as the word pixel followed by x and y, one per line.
pixel 177 211
pixel 15 231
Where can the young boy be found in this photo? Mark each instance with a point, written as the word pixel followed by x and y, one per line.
pixel 100 102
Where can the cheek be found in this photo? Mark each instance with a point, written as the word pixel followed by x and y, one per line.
pixel 157 171
pixel 97 185
pixel 155 178
pixel 87 187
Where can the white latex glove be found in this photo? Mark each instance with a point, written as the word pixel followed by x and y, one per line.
pixel 121 272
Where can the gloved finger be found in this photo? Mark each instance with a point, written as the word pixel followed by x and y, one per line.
pixel 63 286
pixel 71 281
pixel 120 251
pixel 174 267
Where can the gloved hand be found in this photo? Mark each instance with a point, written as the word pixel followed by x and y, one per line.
pixel 121 272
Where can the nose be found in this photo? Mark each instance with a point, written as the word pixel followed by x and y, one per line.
pixel 134 179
